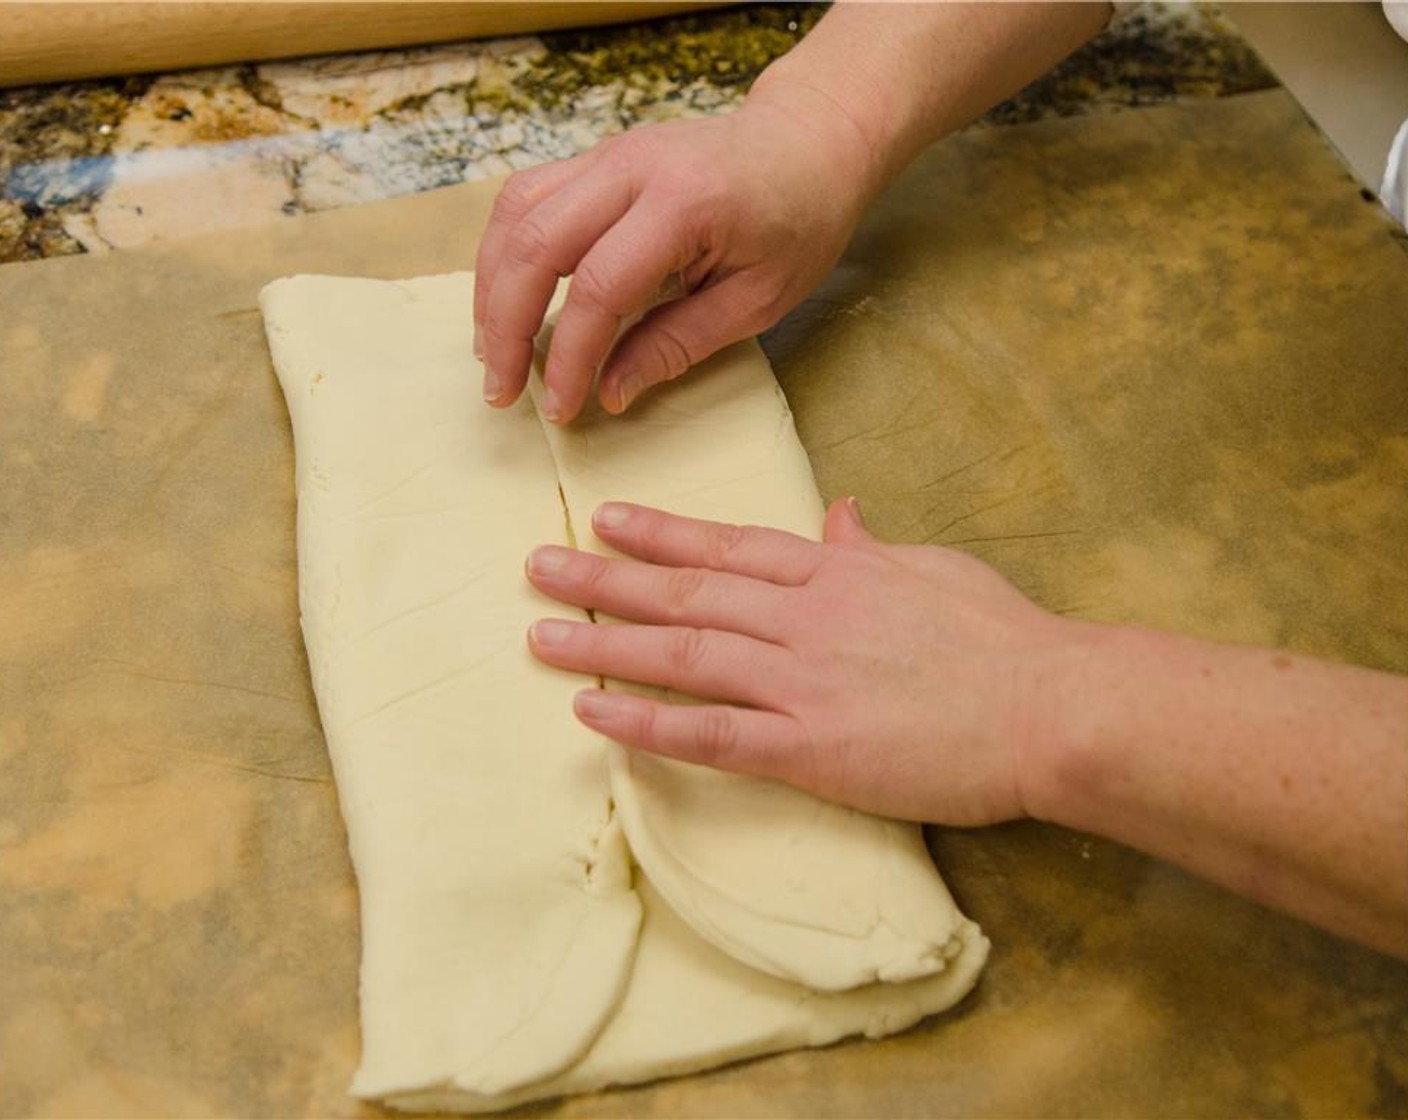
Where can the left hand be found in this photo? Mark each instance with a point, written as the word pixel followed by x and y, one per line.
pixel 909 681
pixel 705 231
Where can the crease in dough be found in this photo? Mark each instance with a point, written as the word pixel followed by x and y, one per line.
pixel 691 1007
pixel 892 923
pixel 846 898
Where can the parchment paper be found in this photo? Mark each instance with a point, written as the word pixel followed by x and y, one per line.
pixel 1153 366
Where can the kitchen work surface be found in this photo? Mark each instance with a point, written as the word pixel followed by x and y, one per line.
pixel 112 164
pixel 1150 365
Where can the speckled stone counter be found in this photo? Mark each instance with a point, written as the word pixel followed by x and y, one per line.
pixel 110 164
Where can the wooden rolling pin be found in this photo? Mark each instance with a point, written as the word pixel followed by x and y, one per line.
pixel 45 42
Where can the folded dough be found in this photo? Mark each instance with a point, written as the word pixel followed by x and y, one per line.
pixel 499 920
pixel 691 1007
pixel 846 898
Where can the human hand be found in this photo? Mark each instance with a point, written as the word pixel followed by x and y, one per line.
pixel 739 216
pixel 910 681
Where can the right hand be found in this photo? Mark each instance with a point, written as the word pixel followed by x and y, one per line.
pixel 739 217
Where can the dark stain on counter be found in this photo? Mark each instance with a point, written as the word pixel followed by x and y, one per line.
pixel 55 145
pixel 729 48
pixel 1143 59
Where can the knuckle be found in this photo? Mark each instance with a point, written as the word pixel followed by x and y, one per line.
pixel 635 145
pixel 722 544
pixel 590 643
pixel 685 652
pixel 515 198
pixel 683 588
pixel 715 736
pixel 593 577
pixel 646 725
pixel 617 152
pixel 768 301
pixel 495 333
pixel 667 353
pixel 529 242
pixel 650 531
pixel 592 290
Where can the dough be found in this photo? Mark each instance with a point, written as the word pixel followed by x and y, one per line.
pixel 848 898
pixel 498 920
pixel 504 959
pixel 691 1007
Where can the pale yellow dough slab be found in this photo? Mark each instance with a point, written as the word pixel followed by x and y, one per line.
pixel 691 1007
pixel 498 920
pixel 502 960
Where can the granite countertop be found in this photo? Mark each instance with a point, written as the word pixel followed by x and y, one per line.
pixel 99 165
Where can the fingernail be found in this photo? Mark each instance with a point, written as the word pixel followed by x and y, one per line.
pixel 550 632
pixel 595 703
pixel 853 508
pixel 548 560
pixel 493 387
pixel 552 406
pixel 610 515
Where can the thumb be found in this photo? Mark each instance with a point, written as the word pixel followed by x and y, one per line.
pixel 843 523
pixel 669 340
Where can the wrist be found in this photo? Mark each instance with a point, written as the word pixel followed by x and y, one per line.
pixel 852 147
pixel 904 75
pixel 1074 701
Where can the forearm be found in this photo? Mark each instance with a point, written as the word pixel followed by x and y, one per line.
pixel 902 75
pixel 1281 777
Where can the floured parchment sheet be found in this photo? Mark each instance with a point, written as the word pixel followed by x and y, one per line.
pixel 543 912
pixel 1021 376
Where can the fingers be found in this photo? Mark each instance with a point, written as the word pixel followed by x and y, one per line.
pixel 620 276
pixel 523 191
pixel 674 337
pixel 520 194
pixel 649 593
pixel 545 244
pixel 621 252
pixel 663 538
pixel 764 744
pixel 712 664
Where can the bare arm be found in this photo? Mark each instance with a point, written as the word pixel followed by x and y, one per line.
pixel 915 682
pixel 727 212
pixel 906 74
pixel 1282 777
